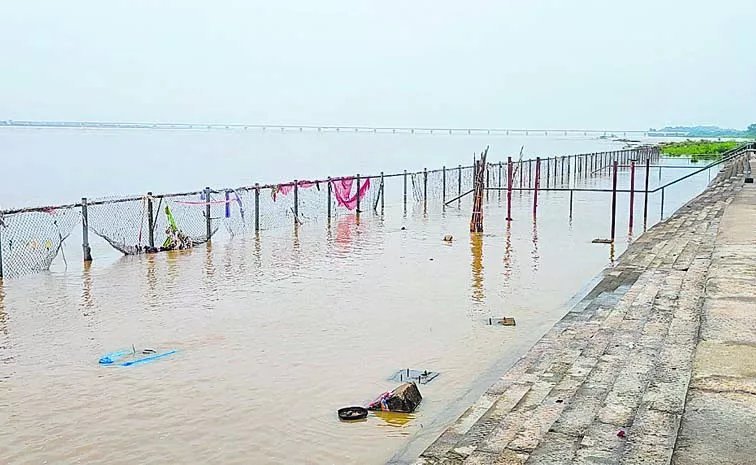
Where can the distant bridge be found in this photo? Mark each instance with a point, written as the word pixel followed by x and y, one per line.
pixel 332 128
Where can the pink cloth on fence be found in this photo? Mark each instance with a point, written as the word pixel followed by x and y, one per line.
pixel 284 189
pixel 342 189
pixel 306 184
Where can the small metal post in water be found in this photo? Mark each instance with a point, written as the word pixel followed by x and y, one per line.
pixel 328 213
pixel 383 190
pixel 459 181
pixel 257 206
pixel 614 198
pixel 570 203
pixel 548 172
pixel 405 191
pixel 150 221
pixel 645 199
pixel 443 184
pixel 536 185
pixel 296 202
pixel 632 193
pixel 85 231
pixel 661 214
pixel 488 178
pixel 509 188
pixel 208 221
pixel 357 210
pixel 425 185
pixel 569 166
pixel 561 178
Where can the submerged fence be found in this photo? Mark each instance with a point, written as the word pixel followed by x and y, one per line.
pixel 31 238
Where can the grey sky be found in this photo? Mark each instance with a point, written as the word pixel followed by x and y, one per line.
pixel 502 63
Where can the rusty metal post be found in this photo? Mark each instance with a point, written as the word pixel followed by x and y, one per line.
pixel 509 188
pixel 645 195
pixel 208 220
pixel 536 185
pixel 632 194
pixel 425 185
pixel 614 199
pixel 443 183
pixel 85 231
pixel 405 191
pixel 383 190
pixel 329 188
pixel 296 202
pixel 357 210
pixel 257 205
pixel 459 181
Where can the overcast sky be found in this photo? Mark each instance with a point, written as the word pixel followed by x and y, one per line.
pixel 493 63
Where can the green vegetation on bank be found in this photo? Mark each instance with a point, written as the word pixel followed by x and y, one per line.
pixel 697 150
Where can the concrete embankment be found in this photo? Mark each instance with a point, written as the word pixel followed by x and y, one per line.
pixel 654 365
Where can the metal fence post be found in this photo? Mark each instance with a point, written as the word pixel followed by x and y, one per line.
pixel 536 185
pixel 150 222
pixel 459 181
pixel 358 194
pixel 257 207
pixel 208 220
pixel 383 190
pixel 632 194
pixel 614 198
pixel 645 195
pixel 85 231
pixel 405 190
pixel 661 214
pixel 443 189
pixel 509 188
pixel 425 185
pixel 328 214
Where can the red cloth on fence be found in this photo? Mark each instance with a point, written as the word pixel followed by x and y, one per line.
pixel 342 190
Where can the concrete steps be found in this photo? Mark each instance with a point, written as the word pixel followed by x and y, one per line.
pixel 620 360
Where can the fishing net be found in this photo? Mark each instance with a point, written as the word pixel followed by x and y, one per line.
pixel 31 240
pixel 125 224
pixel 276 209
pixel 239 211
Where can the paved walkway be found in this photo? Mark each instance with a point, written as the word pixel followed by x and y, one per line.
pixel 663 350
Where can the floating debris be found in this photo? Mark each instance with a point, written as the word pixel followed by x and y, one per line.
pixel 352 413
pixel 448 238
pixel 602 241
pixel 505 321
pixel 421 377
pixel 404 398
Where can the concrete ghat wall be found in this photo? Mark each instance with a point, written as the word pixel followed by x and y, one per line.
pixel 622 359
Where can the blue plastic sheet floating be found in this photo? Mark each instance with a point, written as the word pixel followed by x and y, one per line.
pixel 119 358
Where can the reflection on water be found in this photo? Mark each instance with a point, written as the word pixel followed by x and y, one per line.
pixel 476 246
pixel 395 419
pixel 87 300
pixel 534 252
pixel 508 252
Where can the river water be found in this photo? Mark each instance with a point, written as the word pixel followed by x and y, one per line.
pixel 276 332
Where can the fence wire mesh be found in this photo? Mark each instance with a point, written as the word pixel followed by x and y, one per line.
pixel 30 241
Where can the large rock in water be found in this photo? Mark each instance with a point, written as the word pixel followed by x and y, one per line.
pixel 405 398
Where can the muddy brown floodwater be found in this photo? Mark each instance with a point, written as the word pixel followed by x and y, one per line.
pixel 275 333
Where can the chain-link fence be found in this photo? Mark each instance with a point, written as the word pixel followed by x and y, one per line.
pixel 30 239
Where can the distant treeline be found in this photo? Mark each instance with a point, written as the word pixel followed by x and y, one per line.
pixel 705 131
